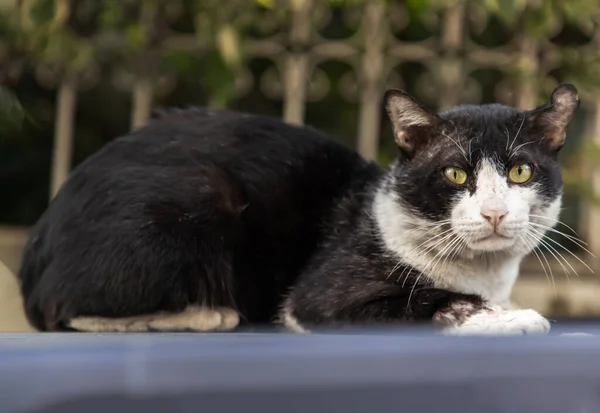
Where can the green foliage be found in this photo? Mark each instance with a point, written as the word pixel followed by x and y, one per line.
pixel 133 35
pixel 416 8
pixel 539 18
pixel 12 114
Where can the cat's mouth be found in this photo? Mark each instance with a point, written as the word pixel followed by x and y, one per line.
pixel 493 236
pixel 492 242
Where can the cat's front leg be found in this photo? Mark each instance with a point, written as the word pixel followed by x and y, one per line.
pixel 347 290
pixel 308 308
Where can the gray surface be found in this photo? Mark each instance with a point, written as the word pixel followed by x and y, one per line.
pixel 265 373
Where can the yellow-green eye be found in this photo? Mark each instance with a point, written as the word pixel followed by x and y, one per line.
pixel 520 174
pixel 455 175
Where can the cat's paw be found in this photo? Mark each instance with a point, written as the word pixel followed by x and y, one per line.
pixel 502 322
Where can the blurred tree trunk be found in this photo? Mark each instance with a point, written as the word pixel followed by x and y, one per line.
pixel 63 134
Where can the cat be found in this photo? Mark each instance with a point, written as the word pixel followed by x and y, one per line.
pixel 205 220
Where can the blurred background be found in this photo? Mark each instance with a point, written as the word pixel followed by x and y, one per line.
pixel 75 74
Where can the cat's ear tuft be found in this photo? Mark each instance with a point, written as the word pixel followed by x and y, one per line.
pixel 411 121
pixel 554 117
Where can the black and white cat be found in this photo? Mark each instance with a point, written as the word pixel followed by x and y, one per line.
pixel 205 219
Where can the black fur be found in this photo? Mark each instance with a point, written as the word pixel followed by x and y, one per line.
pixel 219 208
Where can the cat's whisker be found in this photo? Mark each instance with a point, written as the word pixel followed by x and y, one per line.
pixel 514 151
pixel 408 270
pixel 458 250
pixel 556 254
pixel 412 290
pixel 431 229
pixel 557 221
pixel 471 152
pixel 460 246
pixel 549 228
pixel 580 243
pixel 426 251
pixel 394 269
pixel 430 240
pixel 446 235
pixel 533 243
pixel 565 269
pixel 415 249
pixel 533 248
pixel 566 249
pixel 507 133
pixel 454 244
pixel 459 146
pixel 517 134
pixel 421 227
pixel 441 252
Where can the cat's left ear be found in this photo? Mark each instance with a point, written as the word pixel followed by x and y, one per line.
pixel 412 122
pixel 553 118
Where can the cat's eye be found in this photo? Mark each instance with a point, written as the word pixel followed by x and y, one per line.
pixel 455 175
pixel 520 174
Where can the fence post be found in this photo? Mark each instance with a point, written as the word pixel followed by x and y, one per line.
pixel 296 72
pixel 63 133
pixel 592 218
pixel 526 97
pixel 142 102
pixel 451 72
pixel 375 29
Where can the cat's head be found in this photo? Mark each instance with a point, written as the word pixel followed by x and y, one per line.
pixel 486 174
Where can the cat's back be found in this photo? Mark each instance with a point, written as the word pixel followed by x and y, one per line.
pixel 265 158
pixel 182 137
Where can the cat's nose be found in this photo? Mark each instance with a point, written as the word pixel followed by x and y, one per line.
pixel 494 215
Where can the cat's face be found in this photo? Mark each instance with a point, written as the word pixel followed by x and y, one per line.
pixel 486 175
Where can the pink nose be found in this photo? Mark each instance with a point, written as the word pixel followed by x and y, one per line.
pixel 494 215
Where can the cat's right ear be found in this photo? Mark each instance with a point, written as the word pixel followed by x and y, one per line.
pixel 553 118
pixel 412 123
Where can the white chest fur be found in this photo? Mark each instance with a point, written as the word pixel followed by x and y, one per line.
pixel 491 280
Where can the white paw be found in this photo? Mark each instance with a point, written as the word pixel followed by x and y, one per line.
pixel 191 319
pixel 502 322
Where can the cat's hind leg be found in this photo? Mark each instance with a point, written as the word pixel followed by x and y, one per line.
pixel 193 318
pixel 146 260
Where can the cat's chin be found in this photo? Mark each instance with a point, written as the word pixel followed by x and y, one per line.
pixel 492 243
